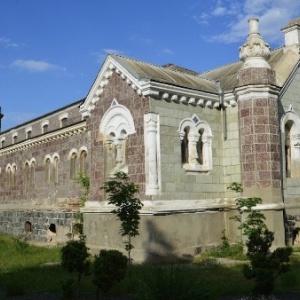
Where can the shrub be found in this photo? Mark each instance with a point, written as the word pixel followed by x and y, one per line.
pixel 109 268
pixel 74 258
pixel 265 266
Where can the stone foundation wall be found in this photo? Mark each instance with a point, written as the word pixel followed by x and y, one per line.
pixel 46 226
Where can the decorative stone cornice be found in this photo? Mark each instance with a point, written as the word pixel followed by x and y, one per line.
pixel 45 138
pixel 256 92
pixel 147 88
pixel 255 52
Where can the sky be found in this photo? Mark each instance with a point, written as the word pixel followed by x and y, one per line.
pixel 52 50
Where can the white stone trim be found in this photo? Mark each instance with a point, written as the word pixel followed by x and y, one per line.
pixel 116 124
pixel 44 123
pixel 256 92
pixel 45 138
pixel 145 87
pixel 152 150
pixel 72 151
pixel 63 116
pixel 195 124
pixel 116 119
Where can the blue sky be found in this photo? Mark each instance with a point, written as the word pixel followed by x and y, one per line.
pixel 52 50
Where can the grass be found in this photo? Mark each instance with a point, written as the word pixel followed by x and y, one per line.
pixel 24 270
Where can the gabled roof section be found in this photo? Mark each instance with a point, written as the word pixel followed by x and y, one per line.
pixel 146 79
pixel 187 86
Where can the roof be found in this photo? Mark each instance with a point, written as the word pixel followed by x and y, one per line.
pixel 282 61
pixel 170 75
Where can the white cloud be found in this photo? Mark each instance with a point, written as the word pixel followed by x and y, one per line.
pixel 202 18
pixel 34 66
pixel 143 40
pixel 101 55
pixel 166 51
pixel 234 14
pixel 8 43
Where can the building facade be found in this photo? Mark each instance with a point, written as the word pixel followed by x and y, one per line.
pixel 183 137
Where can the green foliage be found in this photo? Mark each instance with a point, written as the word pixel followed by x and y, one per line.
pixel 265 266
pixel 235 186
pixel 170 282
pixel 109 268
pixel 74 258
pixel 122 194
pixel 84 181
pixel 255 219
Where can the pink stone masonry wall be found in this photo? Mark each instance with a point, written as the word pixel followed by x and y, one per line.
pixel 118 89
pixel 259 133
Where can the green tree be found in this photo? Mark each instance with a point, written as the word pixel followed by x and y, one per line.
pixel 265 266
pixel 84 181
pixel 109 268
pixel 122 194
pixel 74 258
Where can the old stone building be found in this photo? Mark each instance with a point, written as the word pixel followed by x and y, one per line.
pixel 183 137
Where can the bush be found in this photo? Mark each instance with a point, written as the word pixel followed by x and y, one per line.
pixel 109 268
pixel 74 258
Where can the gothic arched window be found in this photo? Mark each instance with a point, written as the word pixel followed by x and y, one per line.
pixel 196 150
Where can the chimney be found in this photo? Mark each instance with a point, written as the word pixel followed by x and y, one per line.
pixel 292 35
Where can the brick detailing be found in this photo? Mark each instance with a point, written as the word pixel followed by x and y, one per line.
pixel 135 153
pixel 256 76
pixel 260 150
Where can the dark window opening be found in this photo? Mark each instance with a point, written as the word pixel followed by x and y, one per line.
pixel 185 147
pixel 28 227
pixel 52 228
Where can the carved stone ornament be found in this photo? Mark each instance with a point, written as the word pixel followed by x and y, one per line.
pixel 255 51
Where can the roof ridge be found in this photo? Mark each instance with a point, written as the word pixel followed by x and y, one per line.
pixel 158 66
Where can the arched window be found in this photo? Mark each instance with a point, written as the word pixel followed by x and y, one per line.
pixel 290 128
pixel 32 172
pixel 9 176
pixel 185 146
pixel 73 160
pixel 26 174
pixel 47 169
pixel 83 155
pixel 196 150
pixel 200 147
pixel 116 124
pixel 27 227
pixel 14 176
pixel 55 169
pixel 287 148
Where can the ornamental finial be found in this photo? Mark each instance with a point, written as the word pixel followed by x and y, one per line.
pixel 255 52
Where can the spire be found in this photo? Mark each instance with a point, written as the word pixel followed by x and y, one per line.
pixel 255 52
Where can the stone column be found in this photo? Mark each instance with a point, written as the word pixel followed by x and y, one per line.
pixel 193 155
pixel 151 160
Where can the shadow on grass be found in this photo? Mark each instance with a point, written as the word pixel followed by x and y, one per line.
pixel 39 280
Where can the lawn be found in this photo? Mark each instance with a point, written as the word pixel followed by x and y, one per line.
pixel 27 269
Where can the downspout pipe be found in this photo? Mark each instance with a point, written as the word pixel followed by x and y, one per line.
pixel 223 108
